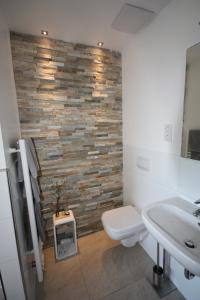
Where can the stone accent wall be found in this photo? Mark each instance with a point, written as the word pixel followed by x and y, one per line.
pixel 70 102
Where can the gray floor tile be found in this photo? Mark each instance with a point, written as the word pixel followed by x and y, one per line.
pixel 103 269
pixel 63 280
pixel 71 291
pixel 107 270
pixel 138 262
pixel 140 290
pixel 174 296
pixel 96 242
pixel 103 273
pixel 49 257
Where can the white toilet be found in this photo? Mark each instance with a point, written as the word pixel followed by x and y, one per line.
pixel 124 224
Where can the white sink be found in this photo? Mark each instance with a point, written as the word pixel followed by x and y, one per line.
pixel 172 223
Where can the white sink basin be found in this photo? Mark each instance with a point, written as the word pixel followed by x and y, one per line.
pixel 172 223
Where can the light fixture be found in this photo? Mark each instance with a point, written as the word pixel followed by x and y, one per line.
pixel 100 44
pixel 44 32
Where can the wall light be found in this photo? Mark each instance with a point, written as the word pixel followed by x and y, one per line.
pixel 44 32
pixel 100 44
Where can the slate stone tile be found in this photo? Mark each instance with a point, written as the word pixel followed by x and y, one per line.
pixel 70 103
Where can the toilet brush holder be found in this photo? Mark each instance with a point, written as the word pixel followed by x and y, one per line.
pixel 157 275
pixel 161 282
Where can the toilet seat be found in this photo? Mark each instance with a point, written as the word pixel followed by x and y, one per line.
pixel 123 222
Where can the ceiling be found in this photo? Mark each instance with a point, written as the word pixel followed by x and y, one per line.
pixel 82 21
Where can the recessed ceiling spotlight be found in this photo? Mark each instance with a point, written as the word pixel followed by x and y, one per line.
pixel 100 44
pixel 44 32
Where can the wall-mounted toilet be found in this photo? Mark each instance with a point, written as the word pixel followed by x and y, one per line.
pixel 124 224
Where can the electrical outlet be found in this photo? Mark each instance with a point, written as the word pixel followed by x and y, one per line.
pixel 168 133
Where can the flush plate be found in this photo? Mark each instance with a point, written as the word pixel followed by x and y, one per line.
pixel 132 18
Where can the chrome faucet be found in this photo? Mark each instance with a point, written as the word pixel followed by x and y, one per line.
pixel 196 213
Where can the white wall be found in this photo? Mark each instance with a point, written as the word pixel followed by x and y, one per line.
pixel 9 121
pixel 153 92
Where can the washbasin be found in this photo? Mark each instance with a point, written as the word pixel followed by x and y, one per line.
pixel 173 225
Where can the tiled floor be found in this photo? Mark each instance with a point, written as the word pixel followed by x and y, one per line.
pixel 103 269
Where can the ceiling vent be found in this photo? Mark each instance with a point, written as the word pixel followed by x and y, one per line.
pixel 132 18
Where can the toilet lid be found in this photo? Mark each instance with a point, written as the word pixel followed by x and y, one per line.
pixel 122 221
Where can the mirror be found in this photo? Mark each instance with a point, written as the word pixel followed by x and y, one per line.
pixel 191 117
